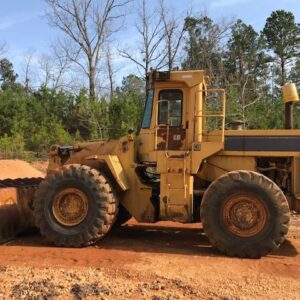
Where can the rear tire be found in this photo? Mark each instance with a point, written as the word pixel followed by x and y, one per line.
pixel 245 214
pixel 75 206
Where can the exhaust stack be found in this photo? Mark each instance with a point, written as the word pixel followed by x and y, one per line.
pixel 290 97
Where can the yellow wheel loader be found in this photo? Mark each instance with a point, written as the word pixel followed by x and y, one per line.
pixel 184 166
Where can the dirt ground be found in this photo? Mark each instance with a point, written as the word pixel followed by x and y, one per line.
pixel 156 262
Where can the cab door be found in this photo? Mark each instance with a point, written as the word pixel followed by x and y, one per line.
pixel 171 123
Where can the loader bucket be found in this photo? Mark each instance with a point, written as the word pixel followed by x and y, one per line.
pixel 18 183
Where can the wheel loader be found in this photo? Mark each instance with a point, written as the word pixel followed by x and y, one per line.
pixel 185 165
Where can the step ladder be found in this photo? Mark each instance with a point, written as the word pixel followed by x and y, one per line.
pixel 176 190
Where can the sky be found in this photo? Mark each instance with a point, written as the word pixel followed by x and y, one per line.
pixel 24 28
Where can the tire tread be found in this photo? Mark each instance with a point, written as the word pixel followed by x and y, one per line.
pixel 106 204
pixel 272 242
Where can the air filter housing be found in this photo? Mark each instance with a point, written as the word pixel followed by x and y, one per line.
pixel 290 93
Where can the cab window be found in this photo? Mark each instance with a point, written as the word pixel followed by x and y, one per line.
pixel 170 108
pixel 148 109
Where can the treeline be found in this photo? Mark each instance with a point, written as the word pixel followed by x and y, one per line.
pixel 252 66
pixel 32 120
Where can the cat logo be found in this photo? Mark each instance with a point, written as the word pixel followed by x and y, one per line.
pixel 176 137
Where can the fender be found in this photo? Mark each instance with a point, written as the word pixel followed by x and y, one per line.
pixel 117 170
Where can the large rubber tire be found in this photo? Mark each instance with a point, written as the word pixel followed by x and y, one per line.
pixel 100 210
pixel 226 215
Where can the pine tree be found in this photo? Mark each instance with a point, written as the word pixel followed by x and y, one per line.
pixel 282 35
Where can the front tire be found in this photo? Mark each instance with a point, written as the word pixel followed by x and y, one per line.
pixel 75 206
pixel 245 214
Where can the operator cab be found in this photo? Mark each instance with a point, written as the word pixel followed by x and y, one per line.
pixel 173 116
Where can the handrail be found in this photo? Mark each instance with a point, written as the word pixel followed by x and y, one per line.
pixel 215 114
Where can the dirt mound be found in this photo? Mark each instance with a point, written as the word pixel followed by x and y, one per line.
pixel 40 165
pixel 13 169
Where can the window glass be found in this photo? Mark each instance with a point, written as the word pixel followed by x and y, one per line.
pixel 148 109
pixel 170 107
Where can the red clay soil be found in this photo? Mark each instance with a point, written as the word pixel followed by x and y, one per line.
pixel 163 261
pixel 157 262
pixel 40 165
pixel 13 169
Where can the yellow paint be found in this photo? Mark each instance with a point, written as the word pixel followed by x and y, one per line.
pixel 117 170
pixel 290 93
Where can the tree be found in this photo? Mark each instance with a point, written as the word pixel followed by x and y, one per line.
pixel 55 69
pixel 87 25
pixel 173 31
pixel 282 34
pixel 62 67
pixel 125 109
pixel 245 53
pixel 12 107
pixel 159 38
pixel 133 83
pixel 203 46
pixel 110 71
pixel 7 73
pixel 2 48
pixel 150 52
pixel 46 69
pixel 246 64
pixel 87 116
pixel 27 69
pixel 295 73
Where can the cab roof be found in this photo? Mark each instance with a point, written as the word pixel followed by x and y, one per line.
pixel 191 78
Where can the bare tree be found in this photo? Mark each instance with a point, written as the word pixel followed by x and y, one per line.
pixel 28 70
pixel 173 32
pixel 150 33
pixel 46 64
pixel 62 67
pixel 87 25
pixel 110 71
pixel 2 48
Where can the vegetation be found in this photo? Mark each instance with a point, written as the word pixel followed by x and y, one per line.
pixel 250 65
pixel 35 120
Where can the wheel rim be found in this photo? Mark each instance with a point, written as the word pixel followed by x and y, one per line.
pixel 70 207
pixel 244 215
